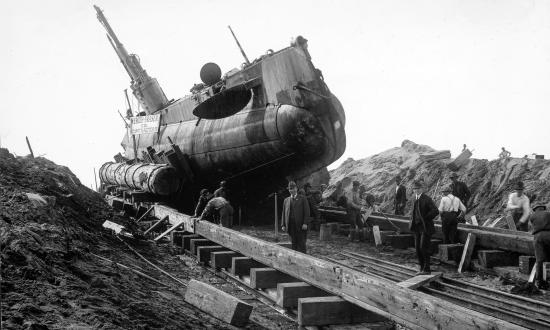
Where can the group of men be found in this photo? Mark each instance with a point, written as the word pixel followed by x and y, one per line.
pixel 215 207
pixel 453 205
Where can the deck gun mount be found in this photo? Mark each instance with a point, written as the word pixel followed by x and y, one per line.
pixel 146 89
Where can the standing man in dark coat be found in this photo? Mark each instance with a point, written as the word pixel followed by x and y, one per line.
pixel 295 217
pixel 400 197
pixel 422 225
pixel 460 189
pixel 540 223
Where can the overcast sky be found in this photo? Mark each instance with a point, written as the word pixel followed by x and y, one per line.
pixel 440 73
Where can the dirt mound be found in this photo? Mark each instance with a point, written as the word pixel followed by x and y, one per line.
pixel 50 225
pixel 489 181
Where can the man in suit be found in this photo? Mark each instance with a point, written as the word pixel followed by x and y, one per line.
pixel 460 189
pixel 400 197
pixel 296 217
pixel 422 225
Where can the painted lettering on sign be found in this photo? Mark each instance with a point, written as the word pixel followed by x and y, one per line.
pixel 144 124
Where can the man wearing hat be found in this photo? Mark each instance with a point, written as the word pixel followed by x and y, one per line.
pixel 353 208
pixel 540 223
pixel 422 225
pixel 295 217
pixel 400 197
pixel 460 189
pixel 222 190
pixel 449 209
pixel 518 206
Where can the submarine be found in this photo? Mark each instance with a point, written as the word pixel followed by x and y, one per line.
pixel 271 120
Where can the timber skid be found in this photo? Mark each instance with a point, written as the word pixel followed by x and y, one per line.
pixel 324 292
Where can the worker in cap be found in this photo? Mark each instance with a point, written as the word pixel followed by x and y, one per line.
pixel 201 203
pixel 220 210
pixel 460 189
pixel 353 208
pixel 540 224
pixel 400 196
pixel 518 206
pixel 422 225
pixel 222 190
pixel 450 208
pixel 295 217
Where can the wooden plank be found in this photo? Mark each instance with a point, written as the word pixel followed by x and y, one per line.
pixel 450 252
pixel 496 258
pixel 186 240
pixel 169 230
pixel 494 223
pixel 241 265
pixel 222 259
pixel 320 311
pixel 533 273
pixel 113 226
pixel 401 241
pixel 546 271
pixel 289 293
pixel 487 222
pixel 474 220
pixel 526 263
pixel 176 237
pixel 204 252
pixel 411 308
pixel 287 245
pixel 156 224
pixel 511 223
pixel 194 243
pixel 325 233
pixel 218 303
pixel 419 280
pixel 467 252
pixel 377 237
pixel 261 278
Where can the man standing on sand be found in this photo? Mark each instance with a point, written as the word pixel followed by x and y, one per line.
pixel 400 197
pixel 295 218
pixel 422 226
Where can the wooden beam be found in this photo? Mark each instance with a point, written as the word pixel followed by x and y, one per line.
pixel 474 220
pixel 113 226
pixel 419 280
pixel 222 259
pixel 411 308
pixel 186 241
pixel 194 243
pixel 203 252
pixel 262 278
pixel 287 245
pixel 533 274
pixel 526 263
pixel 318 311
pixel 377 237
pixel 546 271
pixel 162 211
pixel 217 303
pixel 511 223
pixel 495 258
pixel 289 293
pixel 155 225
pixel 241 265
pixel 169 230
pixel 450 252
pixel 467 253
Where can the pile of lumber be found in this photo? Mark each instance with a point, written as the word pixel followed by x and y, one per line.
pixel 435 155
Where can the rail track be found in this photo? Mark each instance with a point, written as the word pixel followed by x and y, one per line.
pixel 529 313
pixel 354 279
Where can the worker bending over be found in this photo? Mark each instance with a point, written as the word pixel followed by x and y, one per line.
pixel 220 210
pixel 518 206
